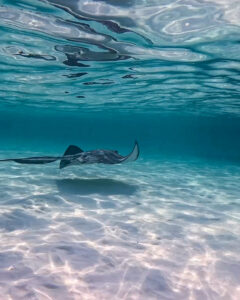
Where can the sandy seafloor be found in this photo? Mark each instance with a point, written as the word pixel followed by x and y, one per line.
pixel 145 230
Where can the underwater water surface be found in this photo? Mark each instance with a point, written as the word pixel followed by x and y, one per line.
pixel 100 75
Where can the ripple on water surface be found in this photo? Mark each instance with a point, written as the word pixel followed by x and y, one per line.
pixel 172 55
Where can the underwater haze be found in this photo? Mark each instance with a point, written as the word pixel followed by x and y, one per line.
pixel 100 75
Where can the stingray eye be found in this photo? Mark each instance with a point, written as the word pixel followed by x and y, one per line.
pixel 115 151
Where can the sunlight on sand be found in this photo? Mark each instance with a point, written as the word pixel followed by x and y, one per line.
pixel 145 231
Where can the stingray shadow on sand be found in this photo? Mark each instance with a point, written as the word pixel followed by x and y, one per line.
pixel 95 186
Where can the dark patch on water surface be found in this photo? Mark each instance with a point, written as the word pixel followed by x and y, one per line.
pixel 123 3
pixel 75 54
pixel 73 61
pixel 95 82
pixel 36 56
pixel 90 83
pixel 71 8
pixel 129 76
pixel 75 75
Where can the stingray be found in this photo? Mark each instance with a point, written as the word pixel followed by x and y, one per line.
pixel 76 156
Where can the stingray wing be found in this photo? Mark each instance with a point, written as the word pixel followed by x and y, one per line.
pixel 133 155
pixel 69 155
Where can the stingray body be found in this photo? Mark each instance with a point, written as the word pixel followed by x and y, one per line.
pixel 76 156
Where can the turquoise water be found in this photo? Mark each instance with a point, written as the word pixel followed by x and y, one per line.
pixel 100 74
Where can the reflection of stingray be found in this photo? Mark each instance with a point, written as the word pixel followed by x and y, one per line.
pixel 95 186
pixel 37 56
pixel 75 54
pixel 76 75
pixel 74 9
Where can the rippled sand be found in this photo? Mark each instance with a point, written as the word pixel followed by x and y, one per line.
pixel 148 230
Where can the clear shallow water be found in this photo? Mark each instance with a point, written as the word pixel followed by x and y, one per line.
pixel 152 230
pixel 100 74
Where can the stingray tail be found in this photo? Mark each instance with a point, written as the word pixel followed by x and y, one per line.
pixel 33 160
